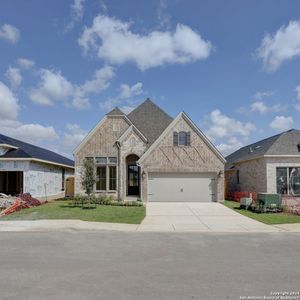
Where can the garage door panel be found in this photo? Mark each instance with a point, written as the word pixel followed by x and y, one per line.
pixel 174 187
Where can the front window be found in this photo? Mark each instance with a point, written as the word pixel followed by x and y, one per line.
pixel 294 177
pixel 112 178
pixel 112 160
pixel 101 178
pixel 288 180
pixel 106 171
pixel 101 160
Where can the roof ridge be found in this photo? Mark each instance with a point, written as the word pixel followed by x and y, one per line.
pixel 262 140
pixel 148 100
pixel 115 111
pixel 280 137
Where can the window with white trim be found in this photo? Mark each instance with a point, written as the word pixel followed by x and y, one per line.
pixel 288 180
pixel 182 138
pixel 106 173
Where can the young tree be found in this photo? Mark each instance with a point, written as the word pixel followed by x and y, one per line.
pixel 88 178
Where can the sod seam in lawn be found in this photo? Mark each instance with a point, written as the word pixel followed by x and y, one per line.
pixel 62 210
pixel 267 218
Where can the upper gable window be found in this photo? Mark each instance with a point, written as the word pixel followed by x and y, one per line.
pixel 182 138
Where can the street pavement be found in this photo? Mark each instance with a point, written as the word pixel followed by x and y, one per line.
pixel 74 264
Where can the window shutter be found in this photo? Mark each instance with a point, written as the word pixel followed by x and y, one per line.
pixel 175 138
pixel 188 139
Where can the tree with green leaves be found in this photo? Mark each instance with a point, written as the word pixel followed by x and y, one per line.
pixel 88 178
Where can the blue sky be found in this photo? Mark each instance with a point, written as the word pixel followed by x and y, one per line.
pixel 232 66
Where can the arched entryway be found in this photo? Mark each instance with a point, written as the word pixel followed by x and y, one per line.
pixel 133 175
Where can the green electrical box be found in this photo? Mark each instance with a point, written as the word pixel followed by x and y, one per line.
pixel 267 202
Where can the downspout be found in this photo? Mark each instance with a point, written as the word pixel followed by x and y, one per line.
pixel 119 168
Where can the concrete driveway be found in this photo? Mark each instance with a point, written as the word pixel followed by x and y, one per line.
pixel 200 217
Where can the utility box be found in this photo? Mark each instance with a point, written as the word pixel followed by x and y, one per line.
pixel 245 202
pixel 267 201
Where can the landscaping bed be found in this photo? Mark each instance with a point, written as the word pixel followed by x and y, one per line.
pixel 267 218
pixel 64 209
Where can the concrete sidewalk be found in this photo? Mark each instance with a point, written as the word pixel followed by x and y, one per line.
pixel 164 217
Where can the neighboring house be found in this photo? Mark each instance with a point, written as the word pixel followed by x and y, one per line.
pixel 271 165
pixel 31 169
pixel 149 155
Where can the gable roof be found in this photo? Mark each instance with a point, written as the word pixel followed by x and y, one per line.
pixel 285 143
pixel 150 119
pixel 194 126
pixel 115 112
pixel 22 150
pixel 132 128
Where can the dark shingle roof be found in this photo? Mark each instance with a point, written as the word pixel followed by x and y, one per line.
pixel 150 120
pixel 115 112
pixel 26 150
pixel 285 143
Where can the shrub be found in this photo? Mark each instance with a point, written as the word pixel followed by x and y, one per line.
pixel 104 200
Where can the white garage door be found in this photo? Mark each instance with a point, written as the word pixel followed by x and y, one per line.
pixel 176 187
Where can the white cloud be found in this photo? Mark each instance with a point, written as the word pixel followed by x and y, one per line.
pixel 222 126
pixel 284 45
pixel 163 17
pixel 231 145
pixel 8 103
pixel 25 63
pixel 127 91
pixel 9 33
pixel 227 133
pixel 259 106
pixel 32 133
pixel 125 99
pixel 81 103
pixel 100 80
pixel 10 126
pixel 73 136
pixel 297 104
pixel 282 123
pixel 14 76
pixel 77 11
pixel 55 88
pixel 114 42
pixel 261 95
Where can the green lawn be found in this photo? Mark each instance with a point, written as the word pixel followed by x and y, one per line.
pixel 62 210
pixel 267 218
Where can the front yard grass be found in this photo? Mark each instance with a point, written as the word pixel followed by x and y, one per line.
pixel 267 218
pixel 62 210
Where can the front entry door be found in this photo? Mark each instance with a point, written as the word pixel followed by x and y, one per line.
pixel 133 180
